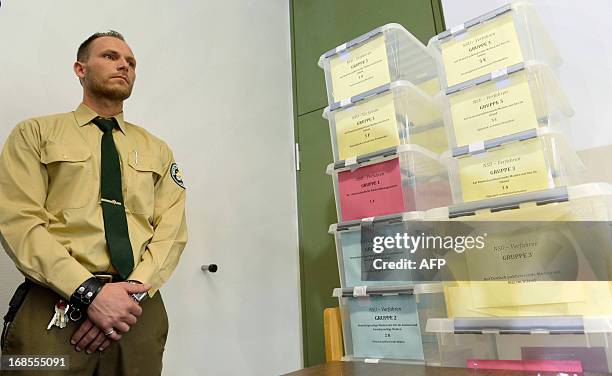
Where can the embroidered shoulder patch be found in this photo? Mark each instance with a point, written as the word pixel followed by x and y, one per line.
pixel 176 175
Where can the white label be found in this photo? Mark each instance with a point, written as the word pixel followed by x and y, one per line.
pixel 360 291
pixel 350 161
pixel 476 147
pixel 499 73
pixel 457 29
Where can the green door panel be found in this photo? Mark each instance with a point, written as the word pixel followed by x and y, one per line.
pixel 320 25
pixel 317 210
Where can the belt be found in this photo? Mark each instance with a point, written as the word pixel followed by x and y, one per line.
pixel 108 278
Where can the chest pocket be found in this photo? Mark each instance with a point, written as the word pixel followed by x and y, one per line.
pixel 69 169
pixel 142 174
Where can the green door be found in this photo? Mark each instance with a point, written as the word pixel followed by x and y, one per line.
pixel 318 26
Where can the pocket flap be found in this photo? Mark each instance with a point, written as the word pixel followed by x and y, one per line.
pixel 144 162
pixel 63 153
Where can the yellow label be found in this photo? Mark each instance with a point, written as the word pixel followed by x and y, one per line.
pixel 460 296
pixel 513 168
pixel 592 298
pixel 524 265
pixel 367 127
pixel 510 294
pixel 598 299
pixel 481 50
pixel 360 69
pixel 485 112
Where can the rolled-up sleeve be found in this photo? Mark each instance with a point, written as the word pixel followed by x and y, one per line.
pixel 24 219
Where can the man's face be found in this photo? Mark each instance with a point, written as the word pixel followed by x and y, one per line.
pixel 110 70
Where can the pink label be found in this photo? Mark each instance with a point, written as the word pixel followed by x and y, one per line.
pixel 371 191
pixel 527 365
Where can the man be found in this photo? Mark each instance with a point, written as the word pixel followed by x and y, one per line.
pixel 92 213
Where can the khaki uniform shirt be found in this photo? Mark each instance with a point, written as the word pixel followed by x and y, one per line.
pixel 50 215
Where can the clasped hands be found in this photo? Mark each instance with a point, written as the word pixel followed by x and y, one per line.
pixel 112 313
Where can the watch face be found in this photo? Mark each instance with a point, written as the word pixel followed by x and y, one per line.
pixel 140 296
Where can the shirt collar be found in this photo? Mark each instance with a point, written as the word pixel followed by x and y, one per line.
pixel 84 115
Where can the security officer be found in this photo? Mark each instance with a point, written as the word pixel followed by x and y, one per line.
pixel 92 212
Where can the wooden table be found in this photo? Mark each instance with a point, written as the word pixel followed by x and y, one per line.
pixel 363 369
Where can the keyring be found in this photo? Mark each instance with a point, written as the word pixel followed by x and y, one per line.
pixel 78 311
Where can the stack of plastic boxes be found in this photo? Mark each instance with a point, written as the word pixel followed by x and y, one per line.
pixel 387 134
pixel 479 138
pixel 504 108
pixel 505 112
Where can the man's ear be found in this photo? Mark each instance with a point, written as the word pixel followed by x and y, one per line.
pixel 79 69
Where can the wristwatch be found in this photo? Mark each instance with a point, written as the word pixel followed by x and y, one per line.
pixel 138 297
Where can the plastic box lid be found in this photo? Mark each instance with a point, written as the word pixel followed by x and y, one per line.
pixel 362 291
pixel 542 68
pixel 391 218
pixel 379 156
pixel 537 198
pixel 521 325
pixel 415 98
pixel 394 28
pixel 479 147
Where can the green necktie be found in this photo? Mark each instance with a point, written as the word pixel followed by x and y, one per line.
pixel 113 211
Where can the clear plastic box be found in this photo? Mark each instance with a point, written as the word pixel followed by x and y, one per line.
pixel 386 324
pixel 463 342
pixel 393 114
pixel 525 96
pixel 523 162
pixel 351 263
pixel 385 54
pixel 400 179
pixel 587 205
pixel 504 37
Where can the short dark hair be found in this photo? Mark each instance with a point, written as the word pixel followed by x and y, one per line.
pixel 83 51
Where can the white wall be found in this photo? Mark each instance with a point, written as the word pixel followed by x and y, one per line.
pixel 581 31
pixel 214 81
